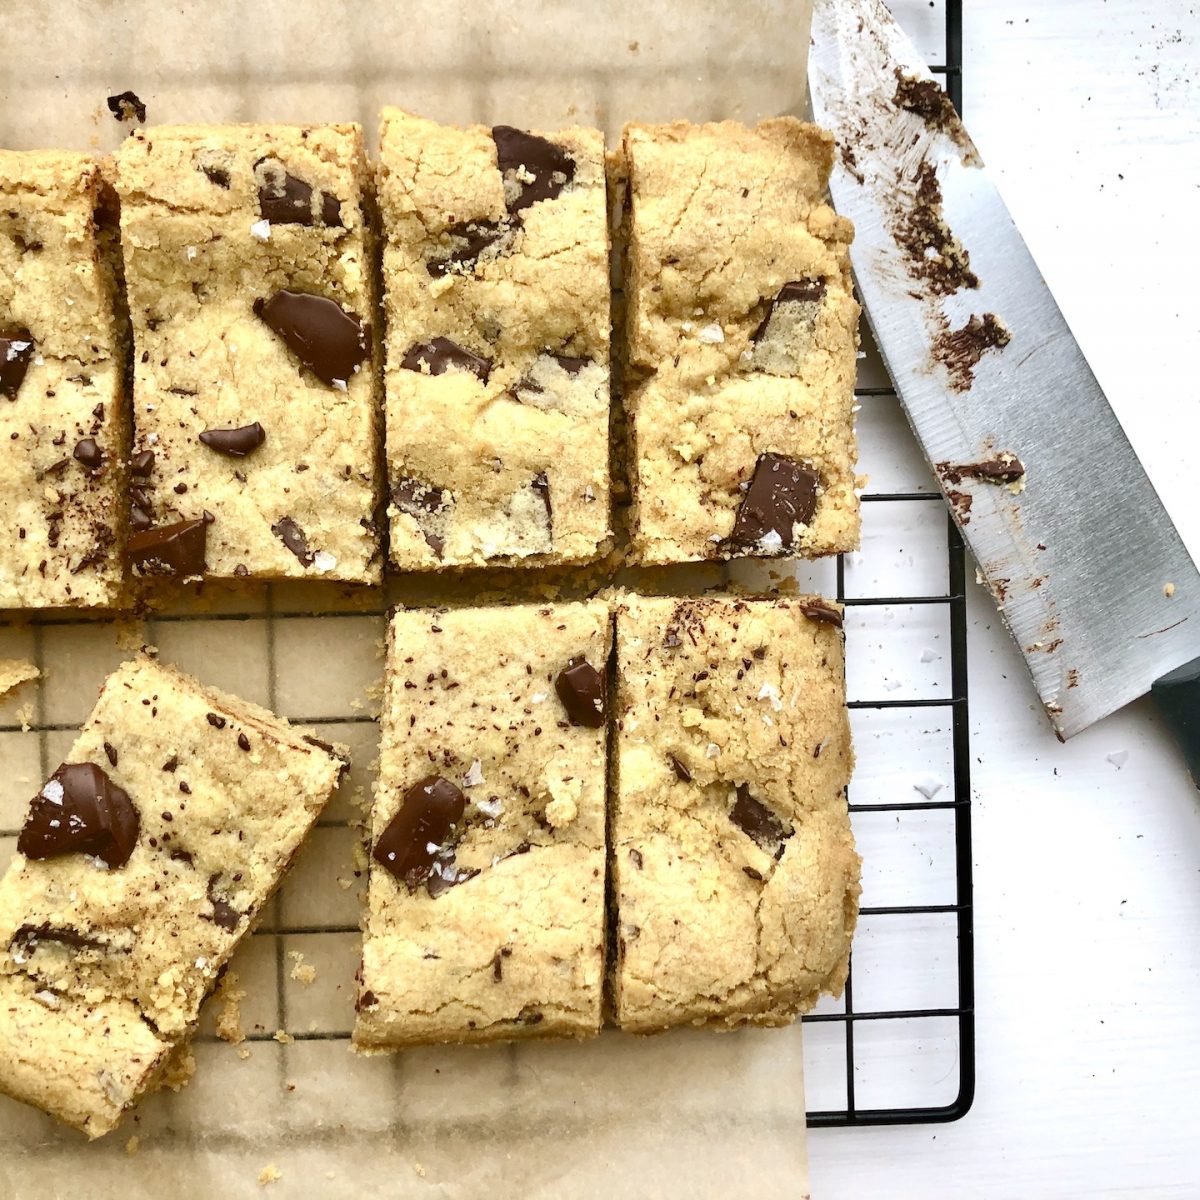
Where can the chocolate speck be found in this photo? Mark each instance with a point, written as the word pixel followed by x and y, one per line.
pixel 127 106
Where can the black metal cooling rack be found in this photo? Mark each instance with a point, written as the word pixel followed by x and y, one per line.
pixel 954 600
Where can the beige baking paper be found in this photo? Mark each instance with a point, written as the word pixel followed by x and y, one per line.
pixel 683 1114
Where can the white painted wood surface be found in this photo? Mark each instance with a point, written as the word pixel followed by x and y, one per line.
pixel 1087 873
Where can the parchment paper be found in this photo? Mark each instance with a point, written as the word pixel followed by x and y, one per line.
pixel 688 1113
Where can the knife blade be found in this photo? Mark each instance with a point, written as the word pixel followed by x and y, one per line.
pixel 1086 568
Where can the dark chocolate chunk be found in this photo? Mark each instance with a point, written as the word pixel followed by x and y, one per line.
pixel 421 500
pixel 417 837
pixel 224 915
pixel 476 237
pixel 818 610
pixel 320 745
pixel 366 999
pixel 635 856
pixel 441 354
pixel 782 494
pixel 293 537
pixel 243 742
pixel 127 106
pixel 236 443
pixel 810 291
pixel 87 452
pixel 142 464
pixel 139 519
pixel 758 822
pixel 283 199
pixel 176 549
pixel 216 175
pixel 680 769
pixel 327 339
pixel 533 168
pixel 580 687
pixel 16 350
pixel 80 811
pixel 217 722
pixel 111 753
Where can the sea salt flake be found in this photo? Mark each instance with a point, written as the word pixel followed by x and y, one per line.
pixel 928 785
pixel 1118 758
pixel 891 684
pixel 769 691
pixel 474 777
pixel 712 750
pixel 490 808
pixel 771 541
pixel 712 334
pixel 928 656
pixel 261 230
pixel 190 251
pixel 324 561
pixel 53 791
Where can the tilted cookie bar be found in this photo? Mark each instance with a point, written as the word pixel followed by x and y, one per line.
pixel 485 915
pixel 735 880
pixel 496 300
pixel 742 340
pixel 63 423
pixel 144 860
pixel 248 266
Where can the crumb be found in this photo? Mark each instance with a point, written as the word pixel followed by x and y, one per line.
pixel 302 972
pixel 269 1174
pixel 131 1146
pixel 420 1170
pixel 229 1019
pixel 633 49
pixel 243 1053
pixel 131 635
pixel 179 1069
pixel 344 883
pixel 283 1037
pixel 24 716
pixel 14 672
pixel 1168 590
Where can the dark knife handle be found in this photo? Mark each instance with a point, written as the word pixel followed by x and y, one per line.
pixel 1178 696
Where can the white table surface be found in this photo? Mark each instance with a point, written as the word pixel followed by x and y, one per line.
pixel 1087 898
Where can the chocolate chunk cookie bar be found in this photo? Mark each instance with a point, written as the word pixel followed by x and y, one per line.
pixel 742 337
pixel 485 914
pixel 495 270
pixel 63 426
pixel 144 859
pixel 735 880
pixel 255 393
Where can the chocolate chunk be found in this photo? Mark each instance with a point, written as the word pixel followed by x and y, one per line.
pixel 438 356
pixel 759 822
pixel 283 199
pixel 237 443
pixel 635 856
pixel 798 291
pixel 818 610
pixel 243 742
pixel 476 237
pixel 127 106
pixel 533 168
pixel 139 519
pixel 80 811
pixel 16 349
pixel 421 501
pixel 176 549
pixel 111 753
pixel 320 745
pixel 87 452
pixel 580 687
pixel 418 836
pixel 365 1000
pixel 217 722
pixel 680 769
pixel 216 175
pixel 28 938
pixel 293 537
pixel 328 340
pixel 224 915
pixel 142 464
pixel 781 495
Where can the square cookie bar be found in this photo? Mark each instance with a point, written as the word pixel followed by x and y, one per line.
pixel 248 267
pixel 496 300
pixel 734 875
pixel 742 340
pixel 63 425
pixel 144 860
pixel 485 908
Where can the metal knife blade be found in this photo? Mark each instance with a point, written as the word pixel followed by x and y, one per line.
pixel 1087 570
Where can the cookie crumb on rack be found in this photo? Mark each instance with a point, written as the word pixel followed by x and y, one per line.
pixel 302 972
pixel 14 672
pixel 269 1174
pixel 131 1146
pixel 229 1019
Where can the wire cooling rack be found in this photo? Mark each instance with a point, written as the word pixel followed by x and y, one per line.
pixel 915 1062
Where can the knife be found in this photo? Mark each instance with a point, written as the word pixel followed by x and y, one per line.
pixel 1090 576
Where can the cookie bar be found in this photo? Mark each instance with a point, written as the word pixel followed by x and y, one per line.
pixel 495 271
pixel 63 424
pixel 742 339
pixel 248 267
pixel 734 876
pixel 144 859
pixel 485 911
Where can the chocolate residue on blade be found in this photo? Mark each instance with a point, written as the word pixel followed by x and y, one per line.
pixel 929 101
pixel 961 503
pixel 959 350
pixel 1005 467
pixel 936 257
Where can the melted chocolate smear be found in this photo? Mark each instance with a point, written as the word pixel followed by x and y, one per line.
pixel 782 494
pixel 88 453
pixel 959 350
pixel 440 355
pixel 418 499
pixel 127 106
pixel 236 443
pixel 16 349
pixel 935 256
pixel 177 549
pixel 534 169
pixel 429 817
pixel 80 811
pixel 925 98
pixel 28 937
pixel 1004 468
pixel 580 687
pixel 759 823
pixel 477 236
pixel 294 538
pixel 818 610
pixel 283 199
pixel 798 291
pixel 328 340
